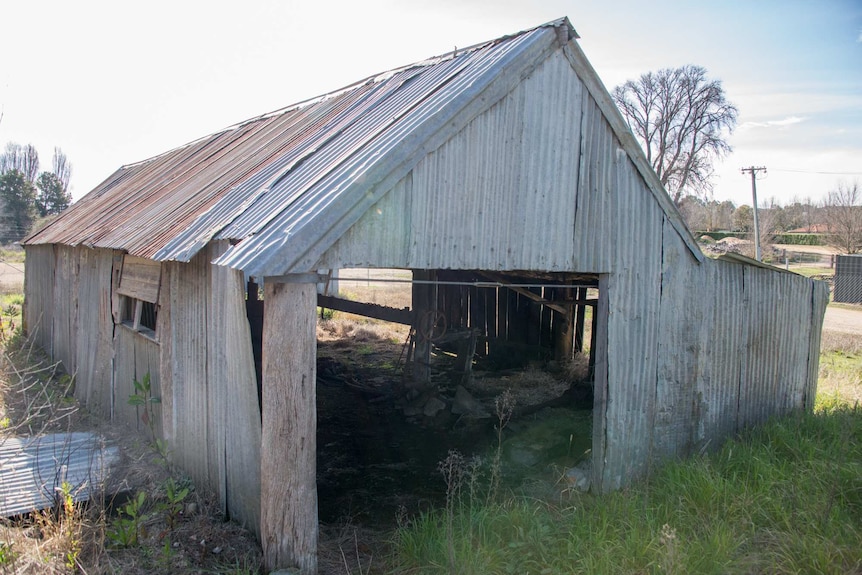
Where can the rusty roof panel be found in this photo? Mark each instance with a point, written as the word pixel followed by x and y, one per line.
pixel 259 180
pixel 319 201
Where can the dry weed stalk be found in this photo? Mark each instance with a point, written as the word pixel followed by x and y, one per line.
pixel 504 407
pixel 453 469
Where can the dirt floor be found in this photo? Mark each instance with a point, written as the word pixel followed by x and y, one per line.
pixel 379 446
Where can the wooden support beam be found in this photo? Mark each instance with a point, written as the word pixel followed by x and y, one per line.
pixel 599 361
pixel 564 330
pixel 403 316
pixel 580 321
pixel 288 472
pixel 525 292
pixel 425 306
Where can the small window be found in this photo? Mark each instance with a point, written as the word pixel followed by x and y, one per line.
pixel 139 315
pixel 139 284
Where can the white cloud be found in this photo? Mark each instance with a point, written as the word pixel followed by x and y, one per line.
pixel 788 121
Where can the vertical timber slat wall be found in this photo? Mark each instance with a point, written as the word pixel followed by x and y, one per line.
pixel 65 319
pixel 39 296
pixel 234 418
pixel 135 357
pixel 95 329
pixel 189 286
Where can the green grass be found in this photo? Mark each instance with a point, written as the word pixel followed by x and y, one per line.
pixel 10 314
pixel 786 498
pixel 809 271
pixel 11 255
pixel 783 498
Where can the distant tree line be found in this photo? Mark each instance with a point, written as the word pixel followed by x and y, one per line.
pixel 838 217
pixel 26 194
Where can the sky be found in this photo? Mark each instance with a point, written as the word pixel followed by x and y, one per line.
pixel 113 83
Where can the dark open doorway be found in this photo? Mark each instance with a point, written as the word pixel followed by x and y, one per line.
pixel 412 364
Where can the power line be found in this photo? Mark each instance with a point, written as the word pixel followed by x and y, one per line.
pixel 817 172
pixel 2 261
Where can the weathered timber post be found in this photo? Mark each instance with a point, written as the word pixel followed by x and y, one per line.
pixel 288 474
pixel 580 320
pixel 426 318
pixel 564 328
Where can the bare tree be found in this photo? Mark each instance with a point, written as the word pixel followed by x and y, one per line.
pixel 62 168
pixel 24 159
pixel 682 120
pixel 842 210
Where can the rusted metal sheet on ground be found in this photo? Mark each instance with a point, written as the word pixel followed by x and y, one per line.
pixel 37 472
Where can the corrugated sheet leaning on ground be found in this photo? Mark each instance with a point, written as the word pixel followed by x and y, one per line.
pixel 33 470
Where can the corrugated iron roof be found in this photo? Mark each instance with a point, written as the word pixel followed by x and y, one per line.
pixel 284 186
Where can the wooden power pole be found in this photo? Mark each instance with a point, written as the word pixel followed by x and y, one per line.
pixel 753 171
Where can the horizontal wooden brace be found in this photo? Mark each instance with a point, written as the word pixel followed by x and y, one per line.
pixel 403 316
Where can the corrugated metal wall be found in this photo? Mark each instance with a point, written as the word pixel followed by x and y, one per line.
pixel 848 278
pixel 520 185
pixel 694 351
pixel 633 293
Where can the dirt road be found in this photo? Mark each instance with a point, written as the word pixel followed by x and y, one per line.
pixel 11 276
pixel 843 319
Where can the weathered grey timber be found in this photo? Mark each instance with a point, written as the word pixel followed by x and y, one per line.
pixel 506 159
pixel 289 454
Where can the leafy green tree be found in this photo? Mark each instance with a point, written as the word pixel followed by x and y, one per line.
pixel 18 197
pixel 53 197
pixel 743 219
